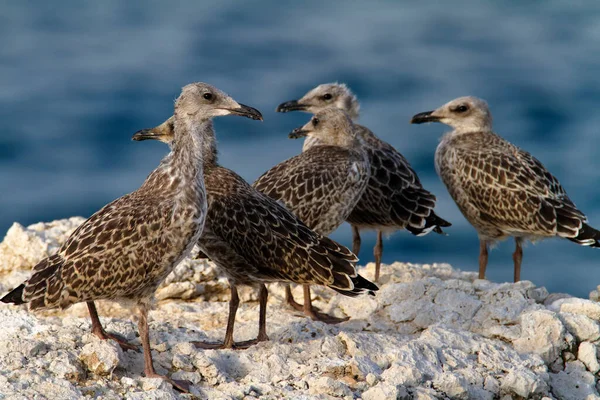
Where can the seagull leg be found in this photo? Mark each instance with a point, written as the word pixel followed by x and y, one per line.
pixel 289 299
pixel 183 386
pixel 233 306
pixel 234 302
pixel 356 240
pixel 517 258
pixel 228 343
pixel 377 252
pixel 315 315
pixel 99 331
pixel 263 295
pixel 483 258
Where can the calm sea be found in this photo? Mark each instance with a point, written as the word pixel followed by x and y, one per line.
pixel 77 80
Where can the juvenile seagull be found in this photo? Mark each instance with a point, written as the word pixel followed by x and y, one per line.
pixel 501 190
pixel 394 198
pixel 323 184
pixel 125 250
pixel 253 239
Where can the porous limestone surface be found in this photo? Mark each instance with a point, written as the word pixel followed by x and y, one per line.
pixel 432 332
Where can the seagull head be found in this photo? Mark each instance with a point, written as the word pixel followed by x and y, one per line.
pixel 164 132
pixel 323 96
pixel 331 126
pixel 463 114
pixel 200 101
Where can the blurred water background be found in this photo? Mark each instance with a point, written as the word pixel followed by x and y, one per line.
pixel 78 79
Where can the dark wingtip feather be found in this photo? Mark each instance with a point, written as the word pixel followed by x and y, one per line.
pixel 587 236
pixel 15 296
pixel 432 223
pixel 361 285
pixel 364 284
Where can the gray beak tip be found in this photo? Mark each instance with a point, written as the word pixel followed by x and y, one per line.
pixel 143 134
pixel 248 112
pixel 424 117
pixel 297 133
pixel 288 106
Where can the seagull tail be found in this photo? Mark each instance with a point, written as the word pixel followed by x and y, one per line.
pixel 587 236
pixel 15 296
pixel 41 289
pixel 361 285
pixel 432 223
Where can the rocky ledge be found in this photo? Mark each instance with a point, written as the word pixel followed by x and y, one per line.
pixel 432 332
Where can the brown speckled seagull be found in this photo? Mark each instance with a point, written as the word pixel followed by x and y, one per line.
pixel 253 239
pixel 394 198
pixel 501 190
pixel 323 184
pixel 125 250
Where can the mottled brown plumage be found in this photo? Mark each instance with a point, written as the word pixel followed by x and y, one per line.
pixel 323 184
pixel 125 250
pixel 501 190
pixel 394 198
pixel 253 239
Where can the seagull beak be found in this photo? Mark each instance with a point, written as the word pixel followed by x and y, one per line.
pixel 423 117
pixel 145 134
pixel 246 111
pixel 298 133
pixel 291 105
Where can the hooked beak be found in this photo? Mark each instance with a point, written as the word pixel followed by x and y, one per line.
pixel 291 105
pixel 145 134
pixel 423 117
pixel 298 133
pixel 246 111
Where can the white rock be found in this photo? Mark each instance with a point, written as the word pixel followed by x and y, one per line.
pixel 178 290
pixel 382 391
pixel 101 356
pixel 574 383
pixel 541 333
pixel 587 354
pixel 151 395
pixel 452 385
pixel 22 248
pixel 491 384
pixel 65 365
pixel 539 295
pixel 575 305
pixel 149 384
pixel 330 386
pixel 371 379
pixel 128 382
pixel 581 326
pixel 523 383
pixel 403 374
pixel 432 332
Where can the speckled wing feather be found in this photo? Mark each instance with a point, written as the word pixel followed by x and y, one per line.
pixel 316 184
pixel 506 189
pixel 394 196
pixel 122 251
pixel 254 238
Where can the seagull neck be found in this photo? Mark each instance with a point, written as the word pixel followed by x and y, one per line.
pixel 350 141
pixel 470 125
pixel 468 130
pixel 209 147
pixel 188 146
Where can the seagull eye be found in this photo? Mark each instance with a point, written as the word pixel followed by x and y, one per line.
pixel 462 108
pixel 315 121
pixel 327 96
pixel 207 96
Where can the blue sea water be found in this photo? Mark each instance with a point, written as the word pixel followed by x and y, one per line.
pixel 78 79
